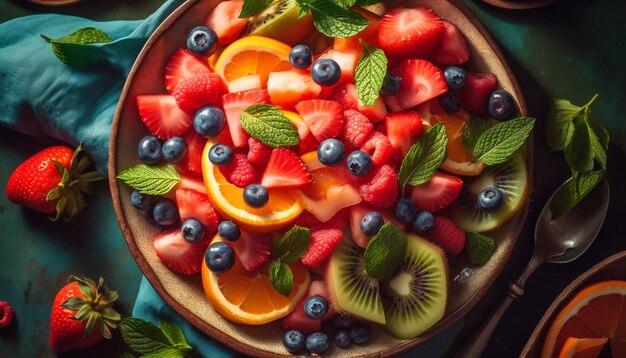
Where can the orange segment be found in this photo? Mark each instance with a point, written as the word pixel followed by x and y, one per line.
pixel 582 347
pixel 599 312
pixel 280 211
pixel 249 298
pixel 458 159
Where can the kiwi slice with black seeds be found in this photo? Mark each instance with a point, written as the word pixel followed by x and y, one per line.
pixel 510 177
pixel 280 21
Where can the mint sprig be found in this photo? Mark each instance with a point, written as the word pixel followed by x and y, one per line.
pixel 145 338
pixel 150 179
pixel 424 157
pixel 289 248
pixel 253 7
pixel 496 144
pixel 74 49
pixel 370 73
pixel 269 125
pixel 476 126
pixel 479 248
pixel 333 19
pixel 384 253
pixel 574 190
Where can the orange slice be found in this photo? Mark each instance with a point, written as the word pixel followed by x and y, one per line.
pixel 281 210
pixel 458 159
pixel 253 55
pixel 582 347
pixel 249 298
pixel 598 312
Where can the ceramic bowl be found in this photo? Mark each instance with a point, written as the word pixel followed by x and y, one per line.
pixel 468 283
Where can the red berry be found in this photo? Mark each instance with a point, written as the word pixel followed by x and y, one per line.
pixel 403 129
pixel 178 254
pixel 437 193
pixel 447 235
pixel 345 94
pixel 195 147
pixel 323 117
pixel 258 153
pixel 285 169
pixel 323 242
pixel 382 190
pixel 182 65
pixel 225 21
pixel 194 205
pixel 240 172
pixel 475 93
pixel 198 91
pixel 421 81
pixel 234 104
pixel 6 314
pixel 161 115
pixel 252 250
pixel 409 32
pixel 452 49
pixel 357 127
pixel 378 146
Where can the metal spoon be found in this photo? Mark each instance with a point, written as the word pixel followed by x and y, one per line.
pixel 558 240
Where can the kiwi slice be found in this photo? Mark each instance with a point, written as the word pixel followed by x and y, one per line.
pixel 415 297
pixel 280 21
pixel 352 290
pixel 510 177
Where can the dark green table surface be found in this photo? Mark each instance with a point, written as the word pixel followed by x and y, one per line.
pixel 571 50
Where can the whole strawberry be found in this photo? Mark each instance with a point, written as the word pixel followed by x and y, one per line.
pixel 52 182
pixel 82 314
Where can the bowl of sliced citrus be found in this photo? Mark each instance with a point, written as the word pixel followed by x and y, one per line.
pixel 298 177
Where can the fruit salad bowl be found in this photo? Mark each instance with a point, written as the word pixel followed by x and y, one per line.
pixel 467 282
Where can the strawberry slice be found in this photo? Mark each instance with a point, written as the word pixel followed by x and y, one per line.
pixel 225 21
pixel 421 81
pixel 195 147
pixel 183 65
pixel 323 117
pixel 195 205
pixel 345 94
pixel 253 250
pixel 177 254
pixel 285 170
pixel 162 116
pixel 452 49
pixel 475 93
pixel 439 192
pixel 234 104
pixel 403 129
pixel 287 88
pixel 409 32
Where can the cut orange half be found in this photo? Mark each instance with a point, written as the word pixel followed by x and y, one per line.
pixel 281 210
pixel 249 298
pixel 582 347
pixel 458 159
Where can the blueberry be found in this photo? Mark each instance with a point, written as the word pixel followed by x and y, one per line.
pixel 371 223
pixel 219 257
pixel 209 121
pixel 391 84
pixel 325 72
pixel 142 202
pixel 490 199
pixel 192 231
pixel 202 41
pixel 342 338
pixel 449 103
pixel 256 195
pixel 229 230
pixel 342 321
pixel 359 163
pixel 149 150
pixel 424 222
pixel 456 77
pixel 405 210
pixel 331 152
pixel 501 105
pixel 165 212
pixel 360 334
pixel 301 57
pixel 293 340
pixel 174 149
pixel 315 307
pixel 317 342
pixel 220 154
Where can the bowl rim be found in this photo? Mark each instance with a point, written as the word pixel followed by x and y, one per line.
pixel 227 339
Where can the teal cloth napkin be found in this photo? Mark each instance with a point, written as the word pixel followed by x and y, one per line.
pixel 46 99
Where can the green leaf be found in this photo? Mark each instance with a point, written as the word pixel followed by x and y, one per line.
pixel 143 337
pixel 126 355
pixel 74 49
pixel 150 179
pixel 366 2
pixel 348 2
pixel 559 126
pixel 479 247
pixel 269 125
pixel 500 141
pixel 574 190
pixel 476 126
pixel 281 277
pixel 369 74
pixel 253 7
pixel 73 303
pixel 166 353
pixel 385 251
pixel 174 334
pixel 291 246
pixel 336 20
pixel 424 157
pixel 579 152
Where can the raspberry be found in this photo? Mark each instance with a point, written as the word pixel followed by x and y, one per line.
pixel 240 171
pixel 357 127
pixel 258 153
pixel 6 314
pixel 323 242
pixel 378 146
pixel 447 235
pixel 382 190
pixel 197 91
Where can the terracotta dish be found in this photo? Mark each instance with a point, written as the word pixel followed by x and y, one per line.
pixel 468 283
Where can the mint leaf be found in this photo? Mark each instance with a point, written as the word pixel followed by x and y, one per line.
pixel 369 74
pixel 366 2
pixel 74 49
pixel 174 334
pixel 424 157
pixel 253 7
pixel 281 277
pixel 574 190
pixel 500 141
pixel 385 251
pixel 291 246
pixel 166 353
pixel 559 126
pixel 143 337
pixel 334 19
pixel 150 179
pixel 579 151
pixel 476 126
pixel 479 247
pixel 269 125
